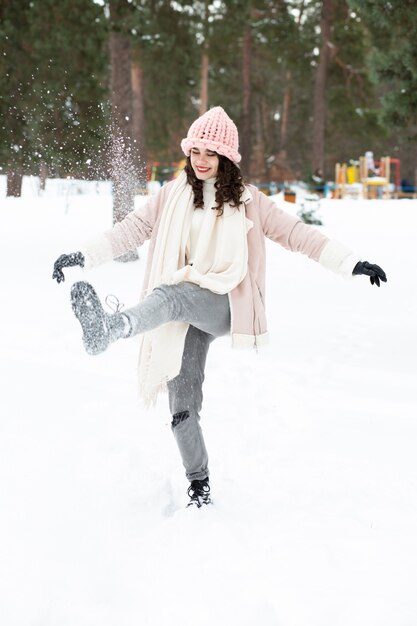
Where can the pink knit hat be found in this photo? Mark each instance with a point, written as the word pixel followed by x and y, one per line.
pixel 214 131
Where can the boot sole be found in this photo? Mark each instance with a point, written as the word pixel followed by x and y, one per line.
pixel 200 501
pixel 199 505
pixel 89 312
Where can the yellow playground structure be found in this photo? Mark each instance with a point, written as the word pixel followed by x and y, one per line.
pixel 367 178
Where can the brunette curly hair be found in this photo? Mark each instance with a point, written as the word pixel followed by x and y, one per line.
pixel 229 184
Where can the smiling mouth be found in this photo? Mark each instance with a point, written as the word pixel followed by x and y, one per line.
pixel 203 169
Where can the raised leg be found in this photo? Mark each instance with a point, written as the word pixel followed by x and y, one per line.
pixel 185 302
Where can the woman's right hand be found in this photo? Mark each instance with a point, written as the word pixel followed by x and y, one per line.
pixel 66 260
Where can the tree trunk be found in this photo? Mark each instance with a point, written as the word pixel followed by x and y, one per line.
pixel 138 120
pixel 204 80
pixel 282 155
pixel 286 103
pixel 43 175
pixel 14 182
pixel 319 114
pixel 258 150
pixel 121 90
pixel 123 171
pixel 204 64
pixel 247 98
pixel 121 95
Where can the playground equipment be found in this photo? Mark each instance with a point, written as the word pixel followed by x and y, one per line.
pixel 164 170
pixel 367 178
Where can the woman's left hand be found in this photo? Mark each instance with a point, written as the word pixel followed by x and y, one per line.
pixel 375 273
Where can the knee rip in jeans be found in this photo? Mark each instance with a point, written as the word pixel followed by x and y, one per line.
pixel 178 418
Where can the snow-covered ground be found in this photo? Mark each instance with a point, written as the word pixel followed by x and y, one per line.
pixel 312 444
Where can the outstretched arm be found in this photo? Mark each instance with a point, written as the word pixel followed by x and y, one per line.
pixel 295 235
pixel 126 235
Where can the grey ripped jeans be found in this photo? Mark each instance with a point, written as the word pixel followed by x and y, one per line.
pixel 208 314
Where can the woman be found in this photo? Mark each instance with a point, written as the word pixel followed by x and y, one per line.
pixel 205 277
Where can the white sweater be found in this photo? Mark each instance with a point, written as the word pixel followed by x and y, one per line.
pixel 209 195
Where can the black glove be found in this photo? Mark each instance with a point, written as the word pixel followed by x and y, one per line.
pixel 66 260
pixel 374 272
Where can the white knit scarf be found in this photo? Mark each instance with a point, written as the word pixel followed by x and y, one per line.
pixel 220 264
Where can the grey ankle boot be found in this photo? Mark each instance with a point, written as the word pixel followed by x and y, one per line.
pixel 100 329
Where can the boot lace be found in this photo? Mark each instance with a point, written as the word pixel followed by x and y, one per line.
pixel 199 493
pixel 113 303
pixel 114 321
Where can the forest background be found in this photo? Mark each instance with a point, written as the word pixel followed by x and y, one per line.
pixel 308 83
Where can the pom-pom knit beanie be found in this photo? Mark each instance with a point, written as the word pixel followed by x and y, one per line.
pixel 214 130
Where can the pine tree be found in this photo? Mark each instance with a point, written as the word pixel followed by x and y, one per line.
pixel 205 59
pixel 122 165
pixel 262 60
pixel 319 112
pixel 353 124
pixel 54 74
pixel 393 59
pixel 15 101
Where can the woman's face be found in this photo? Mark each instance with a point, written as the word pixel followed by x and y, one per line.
pixel 205 163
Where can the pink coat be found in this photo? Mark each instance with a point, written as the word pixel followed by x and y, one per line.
pixel 248 318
